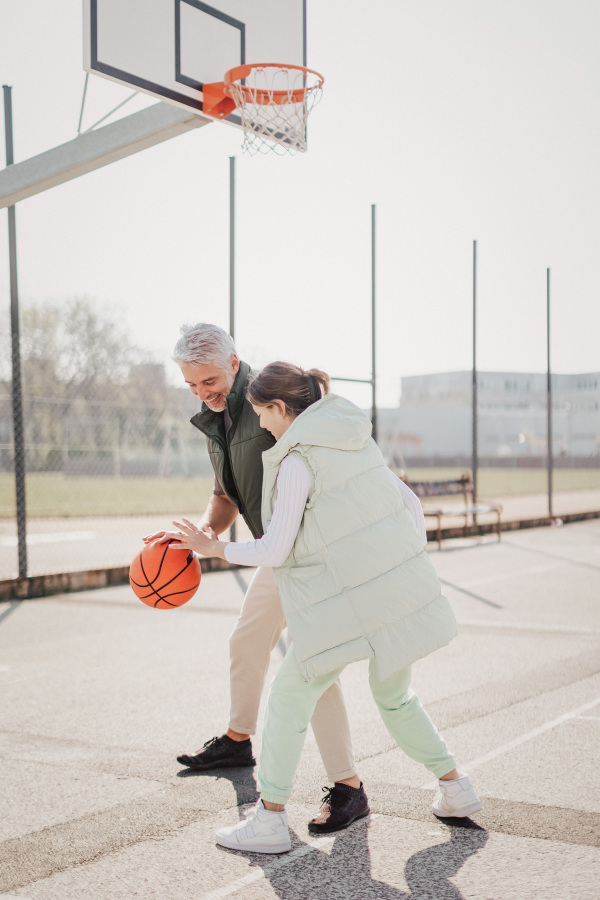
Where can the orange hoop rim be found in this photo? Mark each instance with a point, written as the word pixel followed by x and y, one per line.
pixel 268 98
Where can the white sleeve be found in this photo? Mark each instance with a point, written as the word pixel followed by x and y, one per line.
pixel 293 487
pixel 413 505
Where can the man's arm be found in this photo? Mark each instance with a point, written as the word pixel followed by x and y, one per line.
pixel 220 514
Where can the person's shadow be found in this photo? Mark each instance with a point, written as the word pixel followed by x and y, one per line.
pixel 242 779
pixel 345 872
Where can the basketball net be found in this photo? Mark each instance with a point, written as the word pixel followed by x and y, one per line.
pixel 274 102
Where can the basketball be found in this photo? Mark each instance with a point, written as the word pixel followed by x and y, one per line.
pixel 163 576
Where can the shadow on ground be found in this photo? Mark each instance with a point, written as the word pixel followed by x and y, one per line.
pixel 242 780
pixel 345 872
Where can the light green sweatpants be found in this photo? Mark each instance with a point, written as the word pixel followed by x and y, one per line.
pixel 290 708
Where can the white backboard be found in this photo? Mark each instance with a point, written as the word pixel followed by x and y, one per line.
pixel 171 48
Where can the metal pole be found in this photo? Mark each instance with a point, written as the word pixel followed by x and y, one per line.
pixel 17 391
pixel 232 246
pixel 85 87
pixel 549 396
pixel 232 530
pixel 373 326
pixel 474 462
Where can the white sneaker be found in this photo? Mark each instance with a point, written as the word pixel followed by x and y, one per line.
pixel 456 798
pixel 262 831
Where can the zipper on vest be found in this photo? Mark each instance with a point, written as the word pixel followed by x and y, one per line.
pixel 241 507
pixel 225 451
pixel 227 455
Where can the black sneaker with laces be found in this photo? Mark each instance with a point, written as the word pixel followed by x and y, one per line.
pixel 220 752
pixel 340 807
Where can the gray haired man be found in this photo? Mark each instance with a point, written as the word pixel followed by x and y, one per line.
pixel 215 374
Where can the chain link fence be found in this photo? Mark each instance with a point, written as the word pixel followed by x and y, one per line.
pixel 109 451
pixel 110 454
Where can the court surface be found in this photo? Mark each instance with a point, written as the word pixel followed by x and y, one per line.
pixel 100 693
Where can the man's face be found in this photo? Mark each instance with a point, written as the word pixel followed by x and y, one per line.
pixel 211 383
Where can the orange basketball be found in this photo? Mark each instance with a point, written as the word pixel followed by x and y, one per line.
pixel 163 576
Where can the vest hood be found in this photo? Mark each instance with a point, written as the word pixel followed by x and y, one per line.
pixel 331 422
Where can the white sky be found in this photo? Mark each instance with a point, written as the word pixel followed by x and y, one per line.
pixel 460 119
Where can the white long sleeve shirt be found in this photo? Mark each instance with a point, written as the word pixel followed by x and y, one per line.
pixel 293 488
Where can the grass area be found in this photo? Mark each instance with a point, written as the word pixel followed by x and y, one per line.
pixel 54 494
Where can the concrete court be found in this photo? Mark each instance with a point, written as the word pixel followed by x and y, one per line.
pixel 99 694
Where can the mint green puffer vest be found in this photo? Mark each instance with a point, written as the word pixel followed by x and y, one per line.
pixel 357 583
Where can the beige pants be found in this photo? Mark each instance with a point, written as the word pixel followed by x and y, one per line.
pixel 255 635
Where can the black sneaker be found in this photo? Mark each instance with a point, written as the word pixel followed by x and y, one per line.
pixel 220 752
pixel 341 806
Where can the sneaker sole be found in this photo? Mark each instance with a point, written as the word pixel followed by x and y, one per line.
pixel 222 764
pixel 316 829
pixel 459 813
pixel 255 848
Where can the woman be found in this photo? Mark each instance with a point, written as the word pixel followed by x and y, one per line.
pixel 355 583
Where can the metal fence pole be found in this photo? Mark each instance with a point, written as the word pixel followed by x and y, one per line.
pixel 232 246
pixel 373 326
pixel 549 396
pixel 17 391
pixel 232 530
pixel 474 449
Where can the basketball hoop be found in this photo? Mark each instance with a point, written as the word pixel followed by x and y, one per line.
pixel 273 100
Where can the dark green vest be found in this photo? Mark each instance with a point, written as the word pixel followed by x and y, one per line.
pixel 236 455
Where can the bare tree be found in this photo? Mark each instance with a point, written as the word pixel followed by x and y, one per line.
pixel 94 402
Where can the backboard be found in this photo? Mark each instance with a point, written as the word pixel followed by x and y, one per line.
pixel 171 48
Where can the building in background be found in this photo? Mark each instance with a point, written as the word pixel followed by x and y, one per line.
pixel 435 415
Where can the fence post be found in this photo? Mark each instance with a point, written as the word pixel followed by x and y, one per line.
pixel 17 391
pixel 373 325
pixel 549 458
pixel 233 529
pixel 474 398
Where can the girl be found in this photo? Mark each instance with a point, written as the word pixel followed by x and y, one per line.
pixel 355 583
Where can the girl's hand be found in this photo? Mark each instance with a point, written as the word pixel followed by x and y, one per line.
pixel 163 536
pixel 157 536
pixel 190 537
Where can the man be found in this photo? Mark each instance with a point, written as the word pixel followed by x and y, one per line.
pixel 211 367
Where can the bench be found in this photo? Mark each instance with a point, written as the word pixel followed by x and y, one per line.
pixel 453 487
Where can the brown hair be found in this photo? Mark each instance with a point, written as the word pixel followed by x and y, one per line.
pixel 294 386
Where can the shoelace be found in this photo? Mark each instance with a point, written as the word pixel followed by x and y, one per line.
pixel 213 739
pixel 328 791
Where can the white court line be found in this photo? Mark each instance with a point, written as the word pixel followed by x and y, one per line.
pixel 527 626
pixel 528 736
pixel 283 860
pixel 50 537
